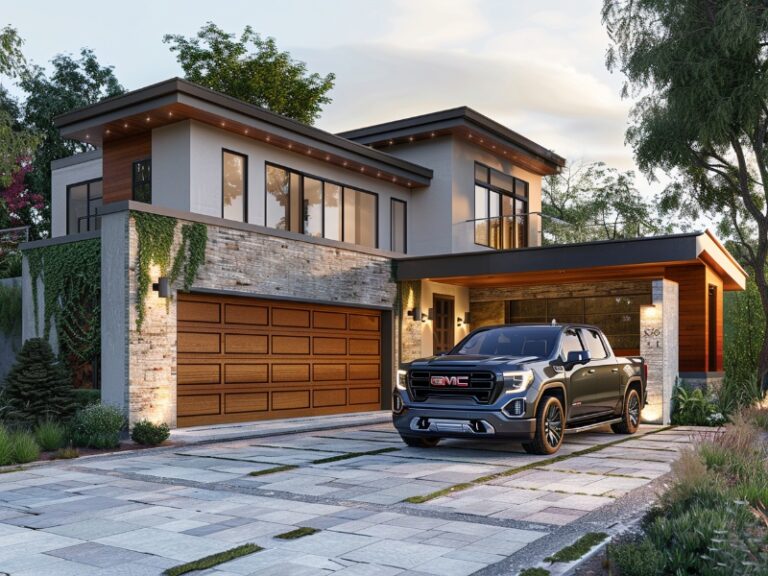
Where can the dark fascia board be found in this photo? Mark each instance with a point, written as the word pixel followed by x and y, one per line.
pixel 172 91
pixel 76 159
pixel 454 117
pixel 658 249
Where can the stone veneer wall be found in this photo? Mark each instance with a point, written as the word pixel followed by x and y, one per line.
pixel 249 263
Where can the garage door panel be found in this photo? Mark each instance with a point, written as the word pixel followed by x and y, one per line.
pixel 198 374
pixel 246 358
pixel 246 344
pixel 290 345
pixel 199 343
pixel 246 315
pixel 245 373
pixel 199 405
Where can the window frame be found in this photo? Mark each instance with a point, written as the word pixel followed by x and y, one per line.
pixel 133 179
pixel 586 333
pixel 392 202
pixel 561 347
pixel 245 183
pixel 342 204
pixel 88 199
pixel 502 192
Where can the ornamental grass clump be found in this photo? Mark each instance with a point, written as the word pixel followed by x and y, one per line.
pixel 6 447
pixel 50 435
pixel 98 426
pixel 25 448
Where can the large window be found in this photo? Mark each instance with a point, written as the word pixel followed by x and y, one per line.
pixel 84 206
pixel 317 207
pixel 142 181
pixel 234 184
pixel 501 209
pixel 398 234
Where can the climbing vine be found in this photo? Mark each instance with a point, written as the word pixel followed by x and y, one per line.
pixel 156 236
pixel 10 309
pixel 71 275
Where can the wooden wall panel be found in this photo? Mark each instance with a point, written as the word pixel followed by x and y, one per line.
pixel 692 285
pixel 246 359
pixel 118 157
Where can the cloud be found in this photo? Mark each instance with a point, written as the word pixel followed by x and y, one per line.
pixel 434 23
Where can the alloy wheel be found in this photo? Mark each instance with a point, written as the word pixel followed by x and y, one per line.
pixel 633 408
pixel 553 425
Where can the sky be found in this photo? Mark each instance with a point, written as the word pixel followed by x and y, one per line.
pixel 536 66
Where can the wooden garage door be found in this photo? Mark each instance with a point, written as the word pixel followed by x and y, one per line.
pixel 245 359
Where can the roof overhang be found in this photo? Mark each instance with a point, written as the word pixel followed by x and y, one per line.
pixel 465 123
pixel 584 262
pixel 177 100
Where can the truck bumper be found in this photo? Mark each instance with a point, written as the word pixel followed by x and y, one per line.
pixel 462 424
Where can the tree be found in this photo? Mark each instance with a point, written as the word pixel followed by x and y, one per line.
pixel 252 69
pixel 700 71
pixel 38 386
pixel 73 83
pixel 594 202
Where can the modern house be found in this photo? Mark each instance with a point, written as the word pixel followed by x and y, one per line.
pixel 331 258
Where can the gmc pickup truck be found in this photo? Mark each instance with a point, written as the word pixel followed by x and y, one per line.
pixel 526 382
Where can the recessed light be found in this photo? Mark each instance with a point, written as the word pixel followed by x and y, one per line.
pixel 290 146
pixel 125 125
pixel 147 118
pixel 246 130
pixel 378 174
pixel 327 157
pixel 223 123
pixel 345 163
pixel 268 138
pixel 309 151
pixel 432 135
pixel 108 131
pixel 170 114
pixel 391 142
pixel 410 139
pixel 362 168
pixel 394 179
pixel 87 136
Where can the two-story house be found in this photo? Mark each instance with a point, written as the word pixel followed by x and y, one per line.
pixel 331 258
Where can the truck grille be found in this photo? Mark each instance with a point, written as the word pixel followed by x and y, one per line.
pixel 481 386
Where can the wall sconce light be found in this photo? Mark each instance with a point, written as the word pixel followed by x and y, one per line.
pixel 467 318
pixel 415 314
pixel 424 317
pixel 161 287
pixel 431 314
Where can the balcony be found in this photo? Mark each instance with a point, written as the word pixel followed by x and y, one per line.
pixel 538 229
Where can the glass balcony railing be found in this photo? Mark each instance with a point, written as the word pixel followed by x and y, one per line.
pixel 538 229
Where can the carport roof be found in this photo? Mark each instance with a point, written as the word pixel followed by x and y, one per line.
pixel 600 260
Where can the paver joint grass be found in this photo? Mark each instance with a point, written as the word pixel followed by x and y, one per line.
pixel 213 560
pixel 349 455
pixel 298 533
pixel 511 471
pixel 535 572
pixel 577 549
pixel 272 470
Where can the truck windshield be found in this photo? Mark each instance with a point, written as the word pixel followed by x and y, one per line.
pixel 538 341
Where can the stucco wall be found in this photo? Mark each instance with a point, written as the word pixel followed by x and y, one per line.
pixel 237 262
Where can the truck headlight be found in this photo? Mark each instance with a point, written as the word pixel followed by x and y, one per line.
pixel 518 380
pixel 402 379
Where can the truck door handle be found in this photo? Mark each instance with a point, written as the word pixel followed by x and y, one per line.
pixel 591 371
pixel 614 370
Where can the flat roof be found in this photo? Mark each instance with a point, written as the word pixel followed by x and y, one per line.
pixel 94 123
pixel 463 117
pixel 642 255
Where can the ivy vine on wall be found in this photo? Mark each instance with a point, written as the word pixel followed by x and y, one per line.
pixel 156 236
pixel 71 278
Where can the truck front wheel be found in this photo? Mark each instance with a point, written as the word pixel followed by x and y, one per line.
pixel 630 418
pixel 420 442
pixel 550 427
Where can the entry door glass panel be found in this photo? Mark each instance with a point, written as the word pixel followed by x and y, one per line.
pixel 442 324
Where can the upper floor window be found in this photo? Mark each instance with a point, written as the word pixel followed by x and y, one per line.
pixel 84 206
pixel 142 181
pixel 501 209
pixel 397 233
pixel 320 208
pixel 234 184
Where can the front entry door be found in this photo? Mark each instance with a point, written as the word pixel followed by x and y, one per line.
pixel 443 317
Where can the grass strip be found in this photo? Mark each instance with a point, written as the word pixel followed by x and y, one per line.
pixel 350 455
pixel 512 471
pixel 535 572
pixel 577 549
pixel 272 470
pixel 298 533
pixel 212 560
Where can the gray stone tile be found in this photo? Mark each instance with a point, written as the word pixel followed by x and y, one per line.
pixel 97 555
pixel 396 553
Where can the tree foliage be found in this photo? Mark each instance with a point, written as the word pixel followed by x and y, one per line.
pixel 595 202
pixel 700 71
pixel 252 69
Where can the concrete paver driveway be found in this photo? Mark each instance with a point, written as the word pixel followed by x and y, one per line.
pixel 139 514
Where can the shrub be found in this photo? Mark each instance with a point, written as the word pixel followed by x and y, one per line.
pixel 691 407
pixel 98 426
pixel 149 434
pixel 38 386
pixel 638 557
pixel 86 396
pixel 25 449
pixel 6 448
pixel 50 435
pixel 758 417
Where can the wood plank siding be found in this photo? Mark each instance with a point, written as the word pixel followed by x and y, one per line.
pixel 117 160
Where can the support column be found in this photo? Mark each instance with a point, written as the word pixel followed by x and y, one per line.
pixel 659 341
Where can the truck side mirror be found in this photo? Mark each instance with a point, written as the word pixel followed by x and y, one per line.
pixel 577 357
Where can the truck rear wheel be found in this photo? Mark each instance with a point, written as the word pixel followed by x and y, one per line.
pixel 550 427
pixel 420 442
pixel 630 417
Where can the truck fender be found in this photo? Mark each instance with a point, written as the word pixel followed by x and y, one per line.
pixel 639 382
pixel 556 385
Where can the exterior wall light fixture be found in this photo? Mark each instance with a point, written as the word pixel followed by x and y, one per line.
pixel 161 287
pixel 431 314
pixel 415 314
